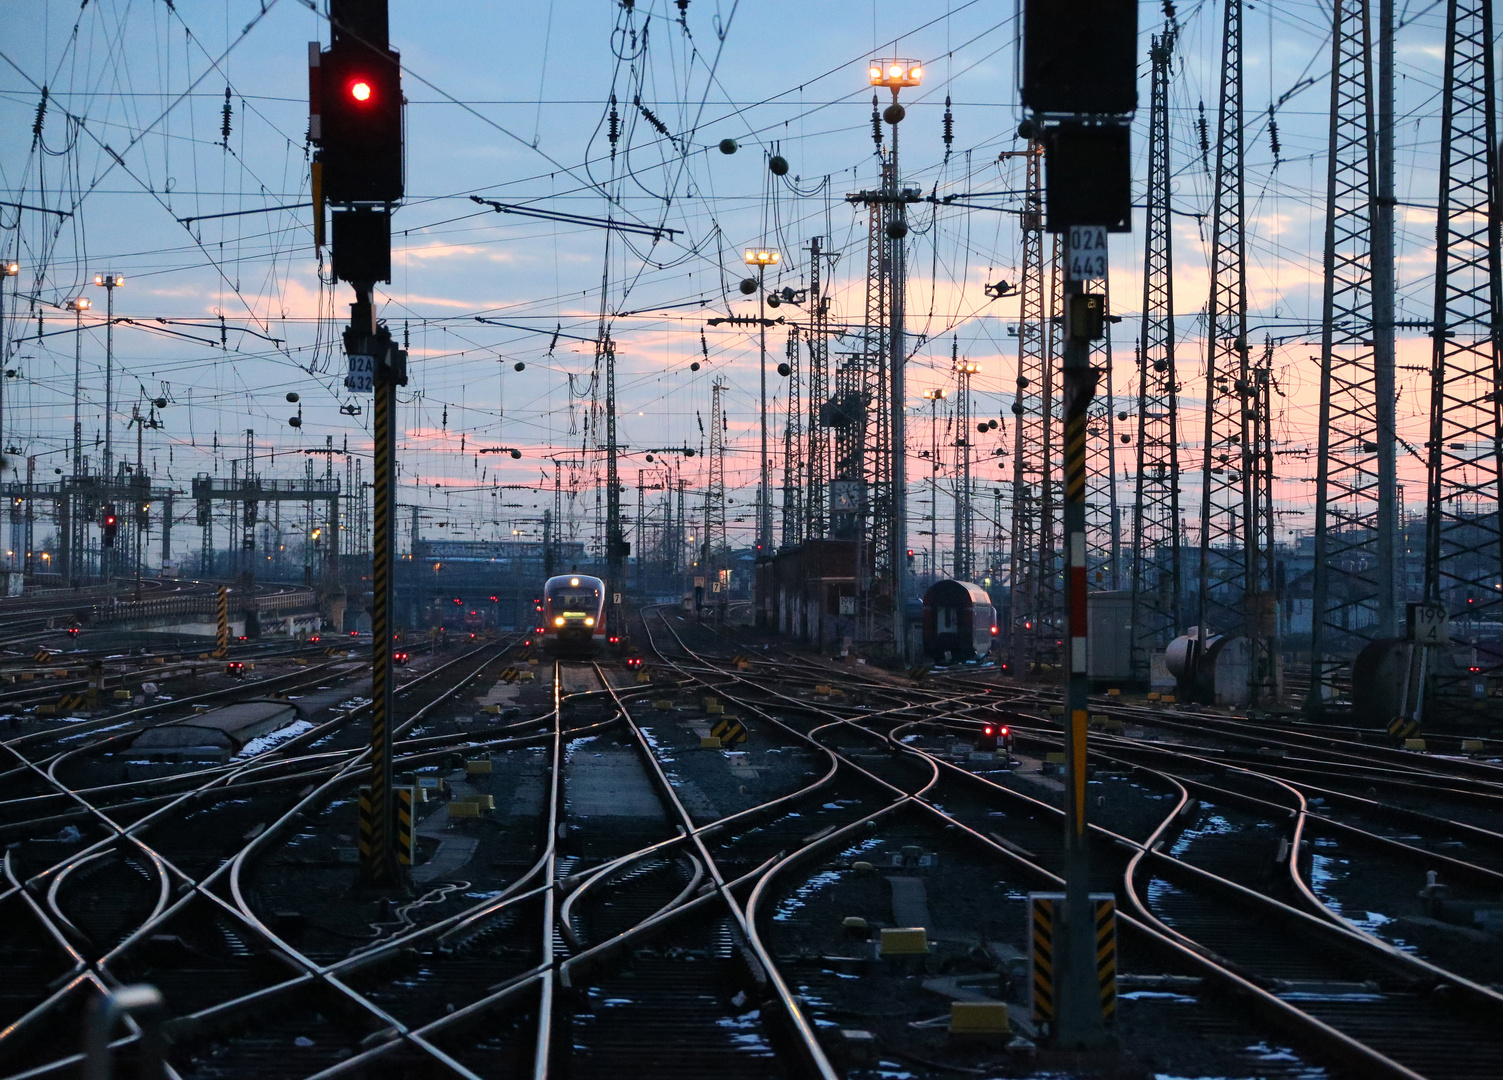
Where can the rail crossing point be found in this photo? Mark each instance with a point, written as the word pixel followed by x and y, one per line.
pixel 42 656
pixel 510 675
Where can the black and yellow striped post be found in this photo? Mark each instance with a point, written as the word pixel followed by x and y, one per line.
pixel 222 623
pixel 1041 914
pixel 379 864
pixel 1105 906
pixel 406 835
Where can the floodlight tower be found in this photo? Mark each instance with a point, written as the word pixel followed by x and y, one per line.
pixel 895 74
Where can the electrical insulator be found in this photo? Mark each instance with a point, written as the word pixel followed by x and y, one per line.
pixel 876 124
pixel 1205 138
pixel 615 130
pixel 36 125
pixel 224 128
pixel 949 125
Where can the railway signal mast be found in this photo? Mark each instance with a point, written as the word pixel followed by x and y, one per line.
pixel 1080 91
pixel 355 99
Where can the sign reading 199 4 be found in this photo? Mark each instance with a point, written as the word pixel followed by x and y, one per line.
pixel 361 376
pixel 1086 253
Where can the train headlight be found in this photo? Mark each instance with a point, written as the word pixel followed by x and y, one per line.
pixel 589 620
pixel 558 621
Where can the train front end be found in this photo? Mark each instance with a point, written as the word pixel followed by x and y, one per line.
pixel 574 614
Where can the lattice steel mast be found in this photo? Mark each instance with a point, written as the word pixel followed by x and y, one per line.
pixel 717 547
pixel 793 490
pixel 817 465
pixel 1463 540
pixel 965 532
pixel 1353 581
pixel 1103 523
pixel 1231 599
pixel 1035 589
pixel 876 390
pixel 1156 541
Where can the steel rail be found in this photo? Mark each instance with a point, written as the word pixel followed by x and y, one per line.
pixel 1330 1038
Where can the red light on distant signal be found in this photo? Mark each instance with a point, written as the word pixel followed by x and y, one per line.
pixel 360 90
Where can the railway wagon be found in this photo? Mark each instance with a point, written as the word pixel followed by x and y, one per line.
pixel 960 622
pixel 574 614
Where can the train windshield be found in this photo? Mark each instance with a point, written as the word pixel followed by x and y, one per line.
pixel 576 601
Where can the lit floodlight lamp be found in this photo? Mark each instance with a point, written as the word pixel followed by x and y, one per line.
pixel 895 73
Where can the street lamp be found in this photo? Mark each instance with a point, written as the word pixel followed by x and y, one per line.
pixel 762 259
pixel 109 282
pixel 895 73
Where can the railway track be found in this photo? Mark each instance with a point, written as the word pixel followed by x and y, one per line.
pixel 637 903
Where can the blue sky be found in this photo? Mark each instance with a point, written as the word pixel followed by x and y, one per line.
pixel 510 102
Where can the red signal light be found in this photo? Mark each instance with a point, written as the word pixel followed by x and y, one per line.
pixel 360 90
pixel 1004 732
pixel 988 730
